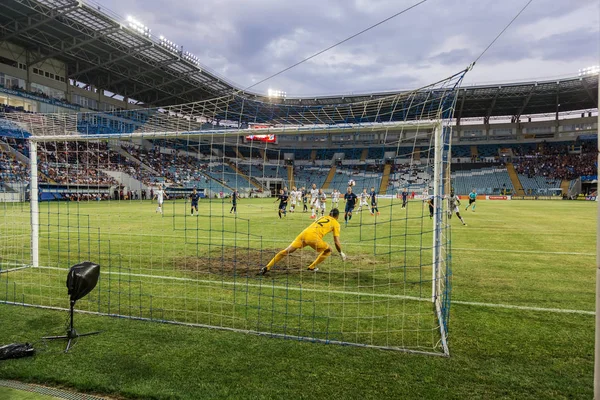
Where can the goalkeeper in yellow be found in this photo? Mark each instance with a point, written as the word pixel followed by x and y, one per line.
pixel 313 237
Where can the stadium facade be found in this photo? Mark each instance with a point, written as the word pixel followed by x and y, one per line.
pixel 64 56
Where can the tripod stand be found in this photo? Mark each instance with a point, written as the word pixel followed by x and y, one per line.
pixel 71 332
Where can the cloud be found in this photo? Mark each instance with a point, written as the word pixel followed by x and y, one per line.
pixel 585 17
pixel 581 43
pixel 454 57
pixel 248 41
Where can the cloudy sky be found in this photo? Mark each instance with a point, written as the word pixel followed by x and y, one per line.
pixel 248 40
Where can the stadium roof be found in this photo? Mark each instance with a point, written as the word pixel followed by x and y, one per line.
pixel 101 50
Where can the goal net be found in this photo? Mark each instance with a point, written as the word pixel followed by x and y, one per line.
pixel 96 179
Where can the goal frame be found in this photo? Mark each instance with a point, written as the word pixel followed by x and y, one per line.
pixel 441 246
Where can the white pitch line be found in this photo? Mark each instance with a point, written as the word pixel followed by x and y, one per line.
pixel 526 308
pixel 570 253
pixel 351 293
pixel 513 230
pixel 5 271
pixel 293 288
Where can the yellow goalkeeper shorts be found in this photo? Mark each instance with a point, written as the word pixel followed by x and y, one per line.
pixel 305 239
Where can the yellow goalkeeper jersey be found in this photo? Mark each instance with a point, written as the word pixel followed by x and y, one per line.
pixel 322 227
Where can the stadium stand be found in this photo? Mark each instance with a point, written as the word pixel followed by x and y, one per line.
pixel 11 170
pixel 487 180
pixel 557 166
pixel 539 185
pixel 306 176
pixel 461 151
pixel 541 166
pixel 76 163
pixel 224 174
pixel 362 178
pixel 414 177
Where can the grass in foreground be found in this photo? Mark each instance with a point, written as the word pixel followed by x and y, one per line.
pixel 511 253
pixel 495 354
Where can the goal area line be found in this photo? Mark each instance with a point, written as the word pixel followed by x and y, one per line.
pixel 236 330
pixel 337 292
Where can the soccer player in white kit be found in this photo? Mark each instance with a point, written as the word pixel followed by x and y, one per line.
pixel 322 203
pixel 335 198
pixel 293 199
pixel 454 207
pixel 314 200
pixel 160 198
pixel 364 196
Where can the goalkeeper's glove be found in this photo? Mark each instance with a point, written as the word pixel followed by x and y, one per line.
pixel 343 256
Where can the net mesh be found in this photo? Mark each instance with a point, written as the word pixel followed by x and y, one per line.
pixel 100 177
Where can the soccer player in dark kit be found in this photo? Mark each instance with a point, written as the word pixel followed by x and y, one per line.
pixel 194 199
pixel 283 199
pixel 304 200
pixel 430 202
pixel 350 199
pixel 404 195
pixel 234 199
pixel 373 196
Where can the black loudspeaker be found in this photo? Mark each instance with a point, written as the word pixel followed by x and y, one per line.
pixel 81 279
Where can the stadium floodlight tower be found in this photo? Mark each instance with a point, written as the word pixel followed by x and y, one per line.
pixel 202 270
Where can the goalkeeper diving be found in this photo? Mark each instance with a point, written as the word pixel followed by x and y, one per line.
pixel 313 237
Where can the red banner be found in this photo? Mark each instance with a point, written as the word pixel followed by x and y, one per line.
pixel 262 138
pixel 497 197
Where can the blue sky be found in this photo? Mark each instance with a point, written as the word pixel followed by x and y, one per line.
pixel 247 40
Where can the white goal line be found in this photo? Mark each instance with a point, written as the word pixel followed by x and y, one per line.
pixel 344 292
pixel 237 330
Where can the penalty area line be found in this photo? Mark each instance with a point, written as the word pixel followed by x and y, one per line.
pixel 345 292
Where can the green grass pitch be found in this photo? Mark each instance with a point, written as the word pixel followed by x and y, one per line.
pixel 202 269
pixel 13 394
pixel 525 254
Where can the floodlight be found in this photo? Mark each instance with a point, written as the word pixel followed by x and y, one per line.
pixel 138 26
pixel 276 93
pixel 167 44
pixel 589 70
pixel 81 279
